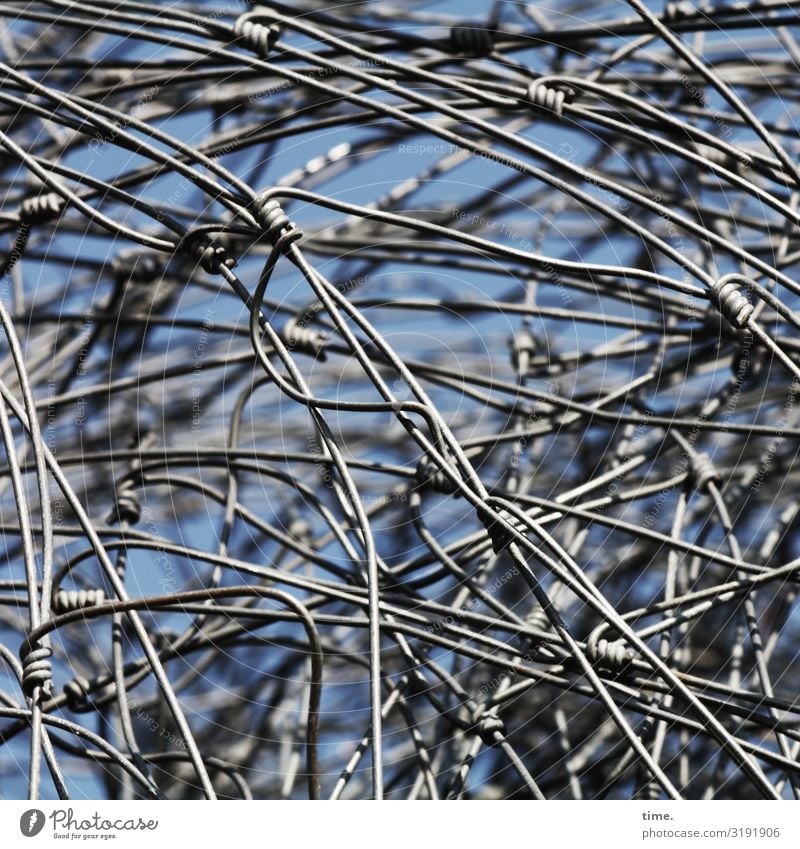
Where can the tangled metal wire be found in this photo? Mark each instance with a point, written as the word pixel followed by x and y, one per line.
pixel 399 399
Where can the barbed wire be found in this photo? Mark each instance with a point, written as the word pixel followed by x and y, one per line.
pixel 399 401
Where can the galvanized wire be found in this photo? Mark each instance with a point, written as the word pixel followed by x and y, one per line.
pixel 399 401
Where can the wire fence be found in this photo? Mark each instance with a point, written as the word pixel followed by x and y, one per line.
pixel 399 400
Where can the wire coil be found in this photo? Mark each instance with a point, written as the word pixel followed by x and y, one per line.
pixel 37 670
pixel 611 655
pixel 211 257
pixel 77 694
pixel 127 505
pixel 260 38
pixel 276 226
pixel 547 97
pixel 704 471
pixel 305 340
pixel 471 41
pixel 731 303
pixel 523 346
pixel 43 207
pixel 67 601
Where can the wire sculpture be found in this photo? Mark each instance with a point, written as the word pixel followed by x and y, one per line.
pixel 399 400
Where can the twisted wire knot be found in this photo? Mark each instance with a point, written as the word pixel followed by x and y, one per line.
pixel 65 601
pixel 260 38
pixel 37 671
pixel 472 41
pixel 730 302
pixel 611 655
pixel 274 222
pixel 42 207
pixel 537 618
pixel 306 340
pixel 127 507
pixel 523 346
pixel 489 727
pixel 548 97
pixel 719 326
pixel 704 471
pixel 77 693
pixel 430 474
pixel 210 257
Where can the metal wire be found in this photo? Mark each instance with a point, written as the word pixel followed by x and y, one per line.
pixel 399 401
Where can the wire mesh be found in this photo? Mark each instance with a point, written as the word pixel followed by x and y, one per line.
pixel 399 400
